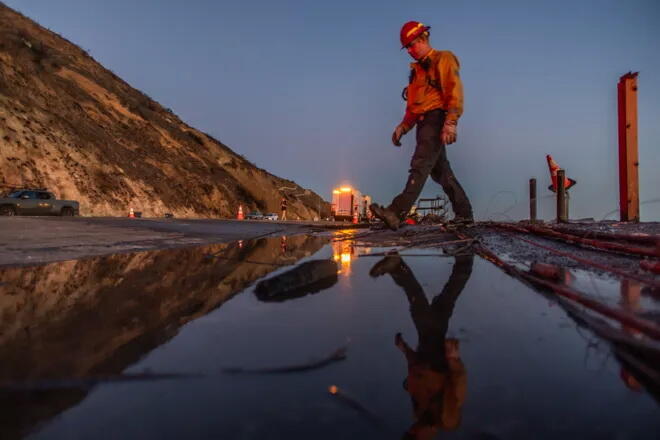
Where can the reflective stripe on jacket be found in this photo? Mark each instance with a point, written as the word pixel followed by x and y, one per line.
pixel 434 83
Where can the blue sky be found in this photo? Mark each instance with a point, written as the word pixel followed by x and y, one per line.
pixel 311 90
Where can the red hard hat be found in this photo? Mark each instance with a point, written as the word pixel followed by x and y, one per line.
pixel 412 30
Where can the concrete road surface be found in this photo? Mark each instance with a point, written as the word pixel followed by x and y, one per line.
pixel 30 240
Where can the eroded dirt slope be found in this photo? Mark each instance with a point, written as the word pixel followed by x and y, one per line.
pixel 69 124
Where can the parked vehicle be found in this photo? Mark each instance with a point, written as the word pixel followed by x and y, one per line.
pixel 271 216
pixel 36 201
pixel 254 215
pixel 347 202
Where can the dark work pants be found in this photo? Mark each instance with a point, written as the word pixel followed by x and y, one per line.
pixel 430 157
pixel 432 320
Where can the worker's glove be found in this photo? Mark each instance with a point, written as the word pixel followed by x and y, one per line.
pixel 448 135
pixel 399 131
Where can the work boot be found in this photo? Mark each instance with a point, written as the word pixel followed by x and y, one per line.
pixel 388 217
pixel 458 220
pixel 386 265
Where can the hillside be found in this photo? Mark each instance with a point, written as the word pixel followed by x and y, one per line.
pixel 71 125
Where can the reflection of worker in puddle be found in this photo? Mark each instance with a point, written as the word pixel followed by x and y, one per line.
pixel 436 375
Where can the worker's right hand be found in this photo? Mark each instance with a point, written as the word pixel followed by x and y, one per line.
pixel 399 131
pixel 448 135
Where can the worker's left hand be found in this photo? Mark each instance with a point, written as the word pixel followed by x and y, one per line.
pixel 448 135
pixel 399 131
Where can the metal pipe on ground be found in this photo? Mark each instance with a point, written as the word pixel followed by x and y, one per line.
pixel 625 275
pixel 645 326
pixel 651 266
pixel 641 238
pixel 638 251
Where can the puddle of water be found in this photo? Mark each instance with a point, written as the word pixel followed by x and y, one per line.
pixel 95 317
pixel 479 354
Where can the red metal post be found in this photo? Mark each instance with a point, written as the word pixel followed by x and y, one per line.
pixel 628 158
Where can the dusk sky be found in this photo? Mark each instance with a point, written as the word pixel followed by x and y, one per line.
pixel 310 90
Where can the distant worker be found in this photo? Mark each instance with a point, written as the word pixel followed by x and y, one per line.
pixel 283 209
pixel 434 103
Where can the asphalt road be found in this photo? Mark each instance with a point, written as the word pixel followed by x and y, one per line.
pixel 31 240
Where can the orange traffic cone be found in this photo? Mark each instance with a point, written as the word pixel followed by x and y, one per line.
pixel 355 217
pixel 553 166
pixel 240 213
pixel 131 213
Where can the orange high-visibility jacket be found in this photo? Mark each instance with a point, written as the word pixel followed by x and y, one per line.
pixel 438 394
pixel 434 83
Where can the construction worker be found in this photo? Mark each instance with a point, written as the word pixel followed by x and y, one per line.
pixel 434 103
pixel 437 378
pixel 283 208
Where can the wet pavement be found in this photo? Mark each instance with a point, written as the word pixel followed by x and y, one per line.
pixel 303 337
pixel 37 240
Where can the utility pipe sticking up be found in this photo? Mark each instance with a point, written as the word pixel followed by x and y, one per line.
pixel 532 200
pixel 562 211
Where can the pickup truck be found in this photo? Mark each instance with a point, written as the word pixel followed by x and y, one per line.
pixel 36 202
pixel 254 215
